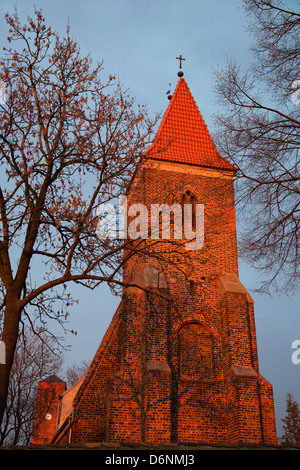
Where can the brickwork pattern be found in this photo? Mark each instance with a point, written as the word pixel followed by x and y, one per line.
pixel 176 381
pixel 179 361
pixel 45 421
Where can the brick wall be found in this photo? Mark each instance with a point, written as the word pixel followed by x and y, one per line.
pixel 46 411
pixel 180 364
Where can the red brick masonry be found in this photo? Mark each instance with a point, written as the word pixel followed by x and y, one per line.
pixel 180 364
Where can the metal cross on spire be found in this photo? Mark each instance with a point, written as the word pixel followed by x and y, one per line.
pixel 180 58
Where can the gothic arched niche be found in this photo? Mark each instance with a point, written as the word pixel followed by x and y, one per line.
pixel 188 204
pixel 195 351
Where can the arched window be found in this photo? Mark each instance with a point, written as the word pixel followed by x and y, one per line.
pixel 195 351
pixel 188 203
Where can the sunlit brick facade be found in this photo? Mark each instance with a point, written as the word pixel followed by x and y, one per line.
pixel 179 361
pixel 45 422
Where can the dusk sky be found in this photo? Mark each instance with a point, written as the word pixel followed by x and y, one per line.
pixel 139 41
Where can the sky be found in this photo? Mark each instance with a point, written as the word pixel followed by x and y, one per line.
pixel 138 42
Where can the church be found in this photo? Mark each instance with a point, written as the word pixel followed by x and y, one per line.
pixel 179 361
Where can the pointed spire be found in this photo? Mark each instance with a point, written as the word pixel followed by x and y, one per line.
pixel 183 137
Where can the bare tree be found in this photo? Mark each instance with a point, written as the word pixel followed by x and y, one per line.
pixel 34 361
pixel 291 423
pixel 69 141
pixel 259 131
pixel 74 372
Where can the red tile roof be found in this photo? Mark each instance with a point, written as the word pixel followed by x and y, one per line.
pixel 183 137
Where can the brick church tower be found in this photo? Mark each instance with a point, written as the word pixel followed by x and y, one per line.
pixel 179 362
pixel 45 421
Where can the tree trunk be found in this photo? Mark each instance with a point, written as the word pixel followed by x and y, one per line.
pixel 9 337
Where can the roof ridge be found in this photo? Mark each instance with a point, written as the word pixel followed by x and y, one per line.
pixel 168 110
